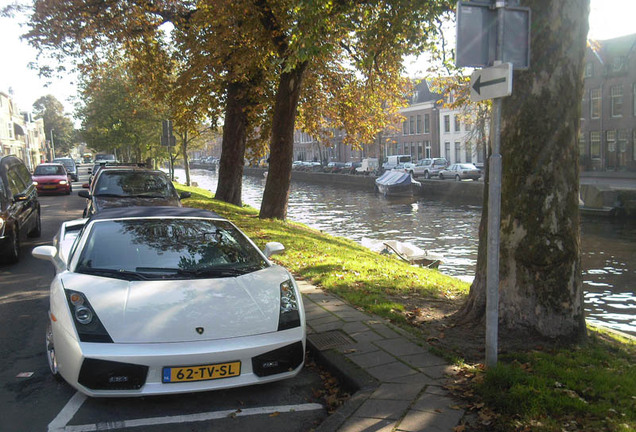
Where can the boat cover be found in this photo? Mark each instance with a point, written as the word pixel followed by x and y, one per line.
pixel 394 178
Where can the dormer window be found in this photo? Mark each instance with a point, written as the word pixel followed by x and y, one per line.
pixel 618 63
pixel 416 95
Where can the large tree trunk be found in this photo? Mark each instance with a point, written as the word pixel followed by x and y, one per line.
pixel 540 274
pixel 230 183
pixel 276 194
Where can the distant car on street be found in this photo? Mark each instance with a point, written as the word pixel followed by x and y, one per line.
pixel 52 178
pixel 460 171
pixel 126 186
pixel 164 300
pixel 429 167
pixel 70 166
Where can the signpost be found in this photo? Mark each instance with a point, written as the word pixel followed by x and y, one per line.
pixel 168 140
pixel 489 34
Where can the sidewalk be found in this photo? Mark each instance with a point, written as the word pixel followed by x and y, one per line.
pixel 398 381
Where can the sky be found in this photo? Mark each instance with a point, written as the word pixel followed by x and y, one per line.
pixel 608 19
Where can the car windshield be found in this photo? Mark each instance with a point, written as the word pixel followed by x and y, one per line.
pixel 66 162
pixel 44 170
pixel 467 166
pixel 134 184
pixel 167 249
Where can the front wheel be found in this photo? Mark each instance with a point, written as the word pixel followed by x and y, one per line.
pixel 50 353
pixel 427 176
pixel 441 176
pixel 458 178
pixel 12 253
pixel 37 229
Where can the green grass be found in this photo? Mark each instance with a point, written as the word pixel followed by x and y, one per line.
pixel 339 265
pixel 591 387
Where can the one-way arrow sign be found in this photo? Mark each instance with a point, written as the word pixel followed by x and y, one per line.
pixel 492 82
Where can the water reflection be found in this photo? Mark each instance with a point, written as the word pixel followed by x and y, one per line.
pixel 608 248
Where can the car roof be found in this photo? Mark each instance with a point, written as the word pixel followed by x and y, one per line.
pixel 51 164
pixel 154 211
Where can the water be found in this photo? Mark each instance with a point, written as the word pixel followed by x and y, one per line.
pixel 608 247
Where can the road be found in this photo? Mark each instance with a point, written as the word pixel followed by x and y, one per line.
pixel 32 400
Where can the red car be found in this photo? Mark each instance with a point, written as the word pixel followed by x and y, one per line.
pixel 52 178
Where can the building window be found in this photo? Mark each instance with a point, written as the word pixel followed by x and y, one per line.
pixel 634 99
pixel 595 145
pixel 405 127
pixel 458 150
pixel 618 63
pixel 622 140
pixel 457 124
pixel 595 103
pixel 420 149
pixel 616 104
pixel 589 70
pixel 634 145
pixel 610 139
pixel 10 130
pixel 469 153
pixel 582 144
pixel 427 148
pixel 427 120
pixel 468 127
pixel 447 153
pixel 412 125
pixel 446 123
pixel 418 124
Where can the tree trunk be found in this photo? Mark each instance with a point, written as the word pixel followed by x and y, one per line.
pixel 186 162
pixel 276 194
pixel 233 147
pixel 540 273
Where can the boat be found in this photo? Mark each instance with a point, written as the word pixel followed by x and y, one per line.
pixel 396 183
pixel 404 251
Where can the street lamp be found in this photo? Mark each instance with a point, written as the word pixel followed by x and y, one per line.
pixel 52 144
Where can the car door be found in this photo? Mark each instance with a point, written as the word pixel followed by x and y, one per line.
pixel 19 209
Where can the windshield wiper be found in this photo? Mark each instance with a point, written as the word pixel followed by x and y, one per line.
pixel 114 273
pixel 212 272
pixel 110 195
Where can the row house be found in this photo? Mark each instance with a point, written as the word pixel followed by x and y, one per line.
pixel 458 139
pixel 20 135
pixel 607 141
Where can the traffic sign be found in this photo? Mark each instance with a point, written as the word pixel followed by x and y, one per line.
pixel 490 83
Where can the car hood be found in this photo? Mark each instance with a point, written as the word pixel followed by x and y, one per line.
pixel 40 178
pixel 165 311
pixel 110 202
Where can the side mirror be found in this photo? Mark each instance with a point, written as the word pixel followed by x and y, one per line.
pixel 19 197
pixel 273 248
pixel 86 185
pixel 84 194
pixel 184 195
pixel 44 252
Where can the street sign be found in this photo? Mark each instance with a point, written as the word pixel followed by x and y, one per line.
pixel 490 83
pixel 477 35
pixel 167 138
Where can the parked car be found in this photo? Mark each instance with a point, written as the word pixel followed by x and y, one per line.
pixel 70 166
pixel 52 178
pixel 334 167
pixel 460 171
pixel 19 208
pixel 105 157
pixel 159 300
pixel 429 167
pixel 368 166
pixel 394 160
pixel 350 167
pixel 121 186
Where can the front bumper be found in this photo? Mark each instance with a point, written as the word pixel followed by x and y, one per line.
pixel 100 369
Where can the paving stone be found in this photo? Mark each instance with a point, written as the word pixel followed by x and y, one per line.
pixel 398 391
pixel 383 329
pixel 384 409
pixel 419 378
pixel 438 372
pixel 352 315
pixel 360 424
pixel 386 373
pixel 372 359
pixel 353 328
pixel 400 347
pixel 422 360
pixel 432 402
pixel 327 326
pixel 325 319
pixel 357 348
pixel 367 336
pixel 420 421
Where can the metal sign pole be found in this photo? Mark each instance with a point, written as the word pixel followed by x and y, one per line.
pixel 494 213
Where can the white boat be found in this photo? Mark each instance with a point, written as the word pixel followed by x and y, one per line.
pixel 405 251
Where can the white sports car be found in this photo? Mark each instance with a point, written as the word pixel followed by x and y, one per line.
pixel 158 300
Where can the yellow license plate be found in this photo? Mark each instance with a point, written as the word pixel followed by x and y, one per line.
pixel 201 373
pixel 50 186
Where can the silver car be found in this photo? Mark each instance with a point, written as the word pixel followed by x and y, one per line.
pixel 460 171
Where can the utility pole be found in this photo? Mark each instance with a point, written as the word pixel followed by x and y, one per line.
pixel 52 145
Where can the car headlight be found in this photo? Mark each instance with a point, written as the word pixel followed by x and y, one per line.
pixel 289 316
pixel 35 183
pixel 63 182
pixel 1 224
pixel 89 327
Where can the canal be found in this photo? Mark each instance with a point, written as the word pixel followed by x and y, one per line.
pixel 608 246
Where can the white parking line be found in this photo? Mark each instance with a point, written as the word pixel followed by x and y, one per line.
pixel 59 424
pixel 67 413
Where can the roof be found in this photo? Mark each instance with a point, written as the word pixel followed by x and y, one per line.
pixel 149 211
pixel 610 48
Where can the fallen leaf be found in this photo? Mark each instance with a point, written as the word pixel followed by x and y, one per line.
pixel 274 414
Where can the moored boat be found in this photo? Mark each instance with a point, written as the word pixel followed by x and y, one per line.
pixel 404 251
pixel 396 183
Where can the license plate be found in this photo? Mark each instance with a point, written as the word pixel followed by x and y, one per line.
pixel 201 373
pixel 50 186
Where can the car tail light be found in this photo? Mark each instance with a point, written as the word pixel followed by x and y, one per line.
pixel 289 316
pixel 89 327
pixel 284 359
